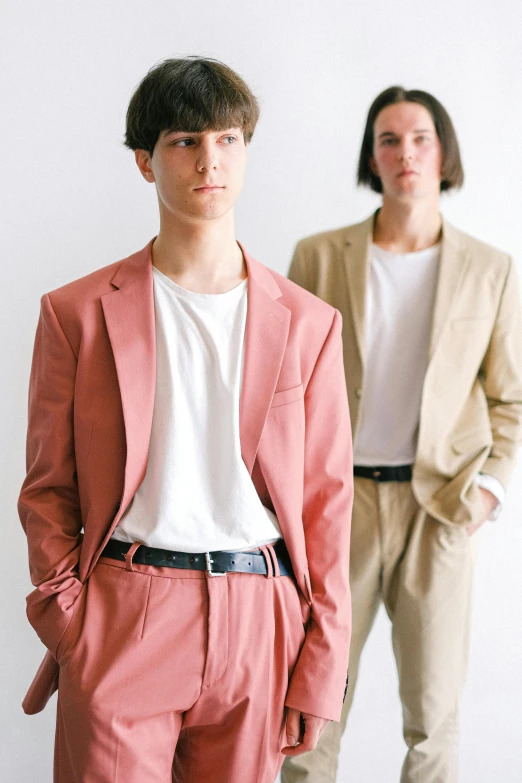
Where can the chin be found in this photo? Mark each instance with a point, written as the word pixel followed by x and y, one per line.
pixel 211 209
pixel 209 214
pixel 410 192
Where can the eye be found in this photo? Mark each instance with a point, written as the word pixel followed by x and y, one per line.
pixel 182 142
pixel 229 139
pixel 388 141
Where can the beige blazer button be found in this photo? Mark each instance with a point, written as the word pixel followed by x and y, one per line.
pixel 358 392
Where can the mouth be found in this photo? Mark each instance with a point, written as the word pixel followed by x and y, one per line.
pixel 407 173
pixel 209 188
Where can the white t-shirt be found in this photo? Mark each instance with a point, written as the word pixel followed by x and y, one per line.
pixel 400 299
pixel 399 310
pixel 197 494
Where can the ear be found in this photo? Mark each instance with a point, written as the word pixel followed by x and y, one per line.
pixel 143 161
pixel 373 166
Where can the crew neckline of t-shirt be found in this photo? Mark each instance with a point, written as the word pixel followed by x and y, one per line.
pixel 426 254
pixel 226 297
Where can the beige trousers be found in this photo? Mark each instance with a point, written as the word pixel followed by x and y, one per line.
pixel 422 570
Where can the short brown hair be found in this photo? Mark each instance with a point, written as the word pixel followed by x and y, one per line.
pixel 192 94
pixel 452 173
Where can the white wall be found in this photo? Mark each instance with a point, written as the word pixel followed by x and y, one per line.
pixel 73 201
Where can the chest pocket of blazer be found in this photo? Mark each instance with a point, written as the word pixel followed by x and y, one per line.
pixel 287 396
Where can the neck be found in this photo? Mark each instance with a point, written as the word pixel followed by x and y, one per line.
pixel 201 256
pixel 407 227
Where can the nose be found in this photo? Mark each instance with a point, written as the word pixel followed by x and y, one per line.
pixel 405 153
pixel 207 159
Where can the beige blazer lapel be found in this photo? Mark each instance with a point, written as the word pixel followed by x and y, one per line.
pixel 358 241
pixel 454 262
pixel 268 322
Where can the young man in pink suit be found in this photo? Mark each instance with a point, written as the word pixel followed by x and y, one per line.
pixel 188 496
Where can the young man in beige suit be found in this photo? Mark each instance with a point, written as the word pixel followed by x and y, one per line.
pixel 433 358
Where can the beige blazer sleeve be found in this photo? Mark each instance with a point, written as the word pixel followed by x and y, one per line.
pixel 502 378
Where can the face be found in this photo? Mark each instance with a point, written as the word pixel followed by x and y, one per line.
pixel 198 176
pixel 407 154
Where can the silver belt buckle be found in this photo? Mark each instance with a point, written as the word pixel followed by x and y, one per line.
pixel 210 572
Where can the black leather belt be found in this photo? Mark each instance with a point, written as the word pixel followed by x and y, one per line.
pixel 384 473
pixel 214 563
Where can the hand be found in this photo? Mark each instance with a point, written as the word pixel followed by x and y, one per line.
pixel 489 502
pixel 302 732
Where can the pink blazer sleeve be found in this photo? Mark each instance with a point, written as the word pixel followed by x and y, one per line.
pixel 49 504
pixel 318 682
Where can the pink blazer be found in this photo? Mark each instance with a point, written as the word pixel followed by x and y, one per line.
pixel 90 412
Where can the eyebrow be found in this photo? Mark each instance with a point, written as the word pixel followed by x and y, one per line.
pixel 199 133
pixel 169 132
pixel 391 133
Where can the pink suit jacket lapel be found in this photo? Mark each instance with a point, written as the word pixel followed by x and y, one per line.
pixel 129 316
pixel 268 322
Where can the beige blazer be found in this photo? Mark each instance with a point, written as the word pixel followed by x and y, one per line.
pixel 471 411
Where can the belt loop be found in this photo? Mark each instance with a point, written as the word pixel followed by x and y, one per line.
pixel 130 554
pixel 265 551
pixel 275 562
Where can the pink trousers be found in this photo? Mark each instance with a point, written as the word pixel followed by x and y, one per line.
pixel 171 675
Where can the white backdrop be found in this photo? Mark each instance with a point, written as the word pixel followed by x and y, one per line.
pixel 72 201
